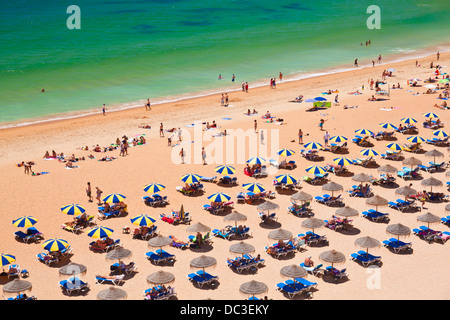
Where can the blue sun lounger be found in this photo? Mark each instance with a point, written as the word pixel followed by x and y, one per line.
pixel 396 245
pixel 291 289
pixel 115 280
pixel 73 284
pixel 316 270
pixel 364 259
pixel 32 234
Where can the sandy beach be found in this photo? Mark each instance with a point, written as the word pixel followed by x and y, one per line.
pixel 42 196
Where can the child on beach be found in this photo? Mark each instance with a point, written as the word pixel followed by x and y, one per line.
pixel 321 123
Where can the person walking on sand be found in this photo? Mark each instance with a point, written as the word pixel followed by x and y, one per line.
pixel 89 192
pixel 182 154
pixel 99 195
pixel 204 155
pixel 246 87
pixel 438 55
pixel 300 136
pixel 256 125
pixel 147 105
pixel 262 136
pixel 321 123
pixel 222 100
pixel 161 130
pixel 179 135
pixel 226 99
pixel 281 77
pixel 326 137
pixel 104 109
pixel 243 86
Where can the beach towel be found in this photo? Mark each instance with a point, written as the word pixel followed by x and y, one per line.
pixel 251 114
pixel 166 219
pixel 226 118
pixel 73 167
pixel 39 173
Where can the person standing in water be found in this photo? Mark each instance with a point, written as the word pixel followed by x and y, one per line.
pixel 104 109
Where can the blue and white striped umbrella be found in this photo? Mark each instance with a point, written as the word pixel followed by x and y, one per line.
pixel 315 170
pixel 256 160
pixel 313 145
pixel 430 115
pixel 369 152
pixel 254 187
pixel 219 197
pixel 114 198
pixel 223 169
pixel 364 132
pixel 387 125
pixel 415 139
pixel 338 139
pixel 408 120
pixel 286 179
pixel 24 222
pixel 154 188
pixel 100 232
pixel 342 161
pixel 72 209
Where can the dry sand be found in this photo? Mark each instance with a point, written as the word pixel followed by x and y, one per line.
pixel 419 275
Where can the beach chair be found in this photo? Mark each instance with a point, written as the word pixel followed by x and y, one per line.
pixel 227 233
pixel 129 269
pixel 14 271
pixel 391 155
pixel 375 216
pixel 396 245
pixel 73 284
pixel 442 236
pixel 262 173
pixel 32 234
pixel 208 179
pixel 291 289
pixel 227 180
pixel 336 273
pixel 437 166
pixel 115 280
pixel 200 280
pixel 445 220
pixel 46 258
pixel 316 270
pixel 364 259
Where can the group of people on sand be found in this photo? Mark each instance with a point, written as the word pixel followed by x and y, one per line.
pixel 27 166
pixel 161 290
pixel 250 171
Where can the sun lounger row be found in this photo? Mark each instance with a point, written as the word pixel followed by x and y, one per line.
pixel 117 268
pixel 392 155
pixel 15 271
pixel 145 233
pixel 192 190
pixel 267 218
pixel 402 205
pixel 296 286
pixel 357 191
pixel 431 235
pixel 251 197
pixel 438 142
pixel 336 223
pixel 310 237
pixel 445 220
pixel 160 256
pixel 31 234
pixel 155 200
pixel 318 178
pixel 383 135
pixel 244 263
pixel 364 258
pixel 330 200
pixel 315 270
pixel 202 278
pixel 397 245
pixel 115 279
pixel 159 293
pixel 375 215
pixel 104 246
pixel 283 164
pixel 73 284
pixel 301 210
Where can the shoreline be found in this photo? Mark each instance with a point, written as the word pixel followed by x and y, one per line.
pixel 422 53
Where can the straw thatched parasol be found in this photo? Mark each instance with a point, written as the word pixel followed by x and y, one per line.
pixel 17 286
pixel 161 277
pixel 434 153
pixel 159 241
pixel 368 243
pixel 203 262
pixel 405 191
pixel 362 177
pixel 72 269
pixel 301 196
pixel 432 182
pixel 411 162
pixel 242 248
pixel 294 271
pixel 119 254
pixel 253 287
pixel 332 186
pixel 280 234
pixel 332 257
pixel 398 230
pixel 377 201
pixel 313 223
pixel 112 293
pixel 198 227
pixel 235 216
pixel 346 212
pixel 428 218
pixel 268 206
pixel 387 169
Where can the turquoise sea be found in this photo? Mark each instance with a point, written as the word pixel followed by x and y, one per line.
pixel 131 50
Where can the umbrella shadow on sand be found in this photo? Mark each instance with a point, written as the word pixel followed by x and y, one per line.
pixel 270 225
pixel 205 247
pixel 351 231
